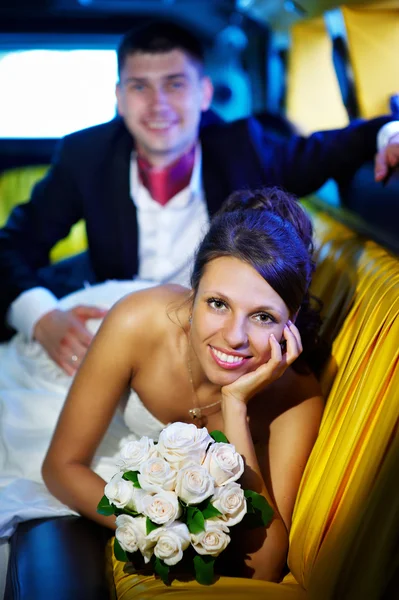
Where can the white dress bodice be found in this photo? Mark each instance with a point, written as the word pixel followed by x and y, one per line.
pixel 139 420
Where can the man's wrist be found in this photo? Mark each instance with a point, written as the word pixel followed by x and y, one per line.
pixel 28 308
pixel 385 134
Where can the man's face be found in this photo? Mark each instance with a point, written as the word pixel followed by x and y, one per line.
pixel 160 97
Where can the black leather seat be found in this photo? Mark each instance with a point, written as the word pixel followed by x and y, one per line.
pixel 375 203
pixel 61 558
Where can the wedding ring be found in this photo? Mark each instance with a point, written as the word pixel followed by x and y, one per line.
pixel 74 358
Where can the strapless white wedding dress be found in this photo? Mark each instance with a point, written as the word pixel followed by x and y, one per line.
pixel 32 393
pixel 139 420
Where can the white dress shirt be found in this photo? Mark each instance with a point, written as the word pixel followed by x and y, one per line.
pixel 170 234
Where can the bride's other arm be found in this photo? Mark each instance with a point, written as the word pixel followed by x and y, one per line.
pixel 104 375
pixel 286 437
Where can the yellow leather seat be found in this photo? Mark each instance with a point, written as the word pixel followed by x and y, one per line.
pixel 343 541
pixel 16 186
pixel 347 476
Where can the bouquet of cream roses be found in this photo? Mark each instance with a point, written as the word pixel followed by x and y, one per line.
pixel 180 494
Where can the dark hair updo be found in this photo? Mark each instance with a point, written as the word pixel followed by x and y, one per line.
pixel 269 230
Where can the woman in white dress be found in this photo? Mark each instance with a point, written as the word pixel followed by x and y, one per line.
pixel 224 354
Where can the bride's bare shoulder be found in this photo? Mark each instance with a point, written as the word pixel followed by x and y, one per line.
pixel 155 305
pixel 155 296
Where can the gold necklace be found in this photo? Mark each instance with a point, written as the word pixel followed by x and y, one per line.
pixel 196 412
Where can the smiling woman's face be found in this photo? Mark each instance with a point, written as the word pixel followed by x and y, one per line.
pixel 234 312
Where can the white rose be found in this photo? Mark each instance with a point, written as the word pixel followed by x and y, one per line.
pixel 156 475
pixel 171 541
pixel 131 535
pixel 230 501
pixel 182 442
pixel 135 452
pixel 213 540
pixel 123 494
pixel 163 508
pixel 120 492
pixel 139 496
pixel 194 484
pixel 224 463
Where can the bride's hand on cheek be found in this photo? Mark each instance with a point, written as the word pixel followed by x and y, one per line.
pixel 248 385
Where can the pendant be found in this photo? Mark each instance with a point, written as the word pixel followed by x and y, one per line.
pixel 195 413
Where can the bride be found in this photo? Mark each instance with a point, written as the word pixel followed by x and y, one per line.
pixel 233 353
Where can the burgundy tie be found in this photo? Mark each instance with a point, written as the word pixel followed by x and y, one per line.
pixel 165 182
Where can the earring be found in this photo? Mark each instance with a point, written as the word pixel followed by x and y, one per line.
pixel 190 318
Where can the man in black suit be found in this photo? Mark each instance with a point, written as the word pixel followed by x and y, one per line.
pixel 147 182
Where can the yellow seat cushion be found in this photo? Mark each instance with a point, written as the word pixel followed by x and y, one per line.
pixel 373 42
pixel 15 188
pixel 311 74
pixel 341 481
pixel 346 515
pixel 125 584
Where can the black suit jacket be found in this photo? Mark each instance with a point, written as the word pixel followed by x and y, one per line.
pixel 89 179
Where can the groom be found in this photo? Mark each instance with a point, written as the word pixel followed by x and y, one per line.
pixel 147 183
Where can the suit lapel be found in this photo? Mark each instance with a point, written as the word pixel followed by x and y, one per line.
pixel 230 161
pixel 216 186
pixel 122 211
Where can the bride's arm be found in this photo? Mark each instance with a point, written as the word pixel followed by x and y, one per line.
pixel 288 440
pixel 104 375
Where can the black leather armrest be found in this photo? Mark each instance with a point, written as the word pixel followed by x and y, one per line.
pixel 61 558
pixel 375 203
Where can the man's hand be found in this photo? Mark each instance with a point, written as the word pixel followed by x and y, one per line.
pixel 250 384
pixel 387 158
pixel 64 336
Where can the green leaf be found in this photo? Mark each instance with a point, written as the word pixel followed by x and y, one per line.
pixel 132 476
pixel 150 525
pixel 204 572
pixel 104 507
pixel 162 570
pixel 260 506
pixel 250 508
pixel 119 552
pixel 195 520
pixel 129 511
pixel 218 436
pixel 209 511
